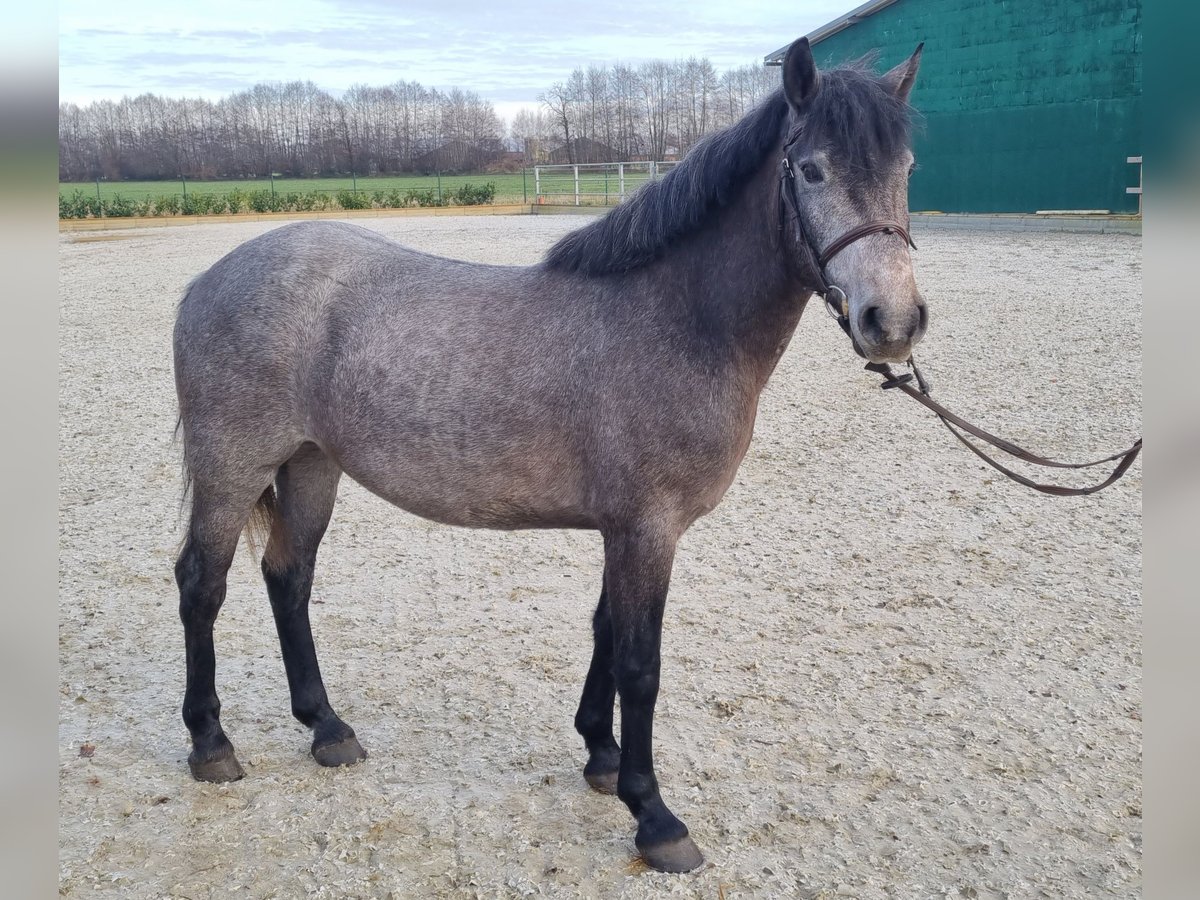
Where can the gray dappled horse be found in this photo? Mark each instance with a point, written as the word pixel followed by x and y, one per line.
pixel 613 386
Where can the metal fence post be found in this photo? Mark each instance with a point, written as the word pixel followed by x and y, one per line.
pixel 537 184
pixel 524 189
pixel 576 168
pixel 1136 160
pixel 621 179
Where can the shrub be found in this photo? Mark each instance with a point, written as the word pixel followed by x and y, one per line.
pixel 236 199
pixel 202 204
pixel 427 197
pixel 259 201
pixel 353 200
pixel 78 206
pixel 475 195
pixel 299 202
pixel 118 207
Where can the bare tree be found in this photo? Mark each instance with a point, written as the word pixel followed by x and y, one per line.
pixel 561 101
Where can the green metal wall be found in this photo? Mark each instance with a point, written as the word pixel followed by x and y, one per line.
pixel 1026 104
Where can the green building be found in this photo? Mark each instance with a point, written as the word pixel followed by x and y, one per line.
pixel 1026 106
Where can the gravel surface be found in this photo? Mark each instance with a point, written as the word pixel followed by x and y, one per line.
pixel 887 671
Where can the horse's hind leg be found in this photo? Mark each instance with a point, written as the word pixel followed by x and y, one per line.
pixel 594 720
pixel 216 523
pixel 306 487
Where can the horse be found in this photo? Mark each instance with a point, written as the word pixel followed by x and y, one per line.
pixel 613 386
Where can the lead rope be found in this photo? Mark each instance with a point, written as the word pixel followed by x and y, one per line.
pixel 921 395
pixel 838 306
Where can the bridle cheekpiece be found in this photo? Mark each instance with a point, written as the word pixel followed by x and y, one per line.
pixel 836 301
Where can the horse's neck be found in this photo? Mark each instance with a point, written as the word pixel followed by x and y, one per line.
pixel 737 278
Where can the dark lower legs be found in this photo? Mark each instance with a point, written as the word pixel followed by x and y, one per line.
pixel 306 488
pixel 594 720
pixel 200 573
pixel 626 661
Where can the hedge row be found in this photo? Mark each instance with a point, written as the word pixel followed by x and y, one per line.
pixel 84 206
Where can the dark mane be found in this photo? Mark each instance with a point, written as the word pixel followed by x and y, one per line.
pixel 640 229
pixel 853 111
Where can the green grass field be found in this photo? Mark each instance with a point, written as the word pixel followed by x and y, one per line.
pixel 509 187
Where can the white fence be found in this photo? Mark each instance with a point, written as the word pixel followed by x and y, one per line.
pixel 593 184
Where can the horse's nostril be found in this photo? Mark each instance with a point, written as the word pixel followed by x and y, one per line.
pixel 923 313
pixel 870 323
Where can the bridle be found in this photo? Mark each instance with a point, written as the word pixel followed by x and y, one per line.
pixel 838 305
pixel 836 301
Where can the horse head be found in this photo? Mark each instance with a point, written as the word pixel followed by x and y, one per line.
pixel 845 165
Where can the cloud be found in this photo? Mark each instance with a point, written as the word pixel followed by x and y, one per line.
pixel 510 52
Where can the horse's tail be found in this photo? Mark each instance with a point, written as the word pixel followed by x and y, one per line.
pixel 265 528
pixel 185 475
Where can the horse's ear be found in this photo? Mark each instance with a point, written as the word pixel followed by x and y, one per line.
pixel 901 78
pixel 800 78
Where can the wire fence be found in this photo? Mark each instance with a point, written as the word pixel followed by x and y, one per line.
pixel 593 184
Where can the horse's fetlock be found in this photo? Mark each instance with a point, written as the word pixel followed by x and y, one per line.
pixel 636 789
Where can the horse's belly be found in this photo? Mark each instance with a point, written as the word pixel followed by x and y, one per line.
pixel 473 496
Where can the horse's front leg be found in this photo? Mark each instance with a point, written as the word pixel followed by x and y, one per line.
pixel 637 573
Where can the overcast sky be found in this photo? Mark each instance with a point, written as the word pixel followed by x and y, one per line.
pixel 508 51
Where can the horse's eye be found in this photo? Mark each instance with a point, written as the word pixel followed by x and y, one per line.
pixel 912 169
pixel 810 172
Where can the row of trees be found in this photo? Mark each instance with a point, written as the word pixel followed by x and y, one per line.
pixel 601 114
pixel 653 111
pixel 294 129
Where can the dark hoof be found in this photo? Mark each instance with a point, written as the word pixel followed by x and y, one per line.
pixel 345 752
pixel 221 768
pixel 679 855
pixel 604 782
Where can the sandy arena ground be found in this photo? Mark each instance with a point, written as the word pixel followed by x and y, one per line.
pixel 887 671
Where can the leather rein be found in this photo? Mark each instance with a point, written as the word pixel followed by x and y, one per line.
pixel 838 305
